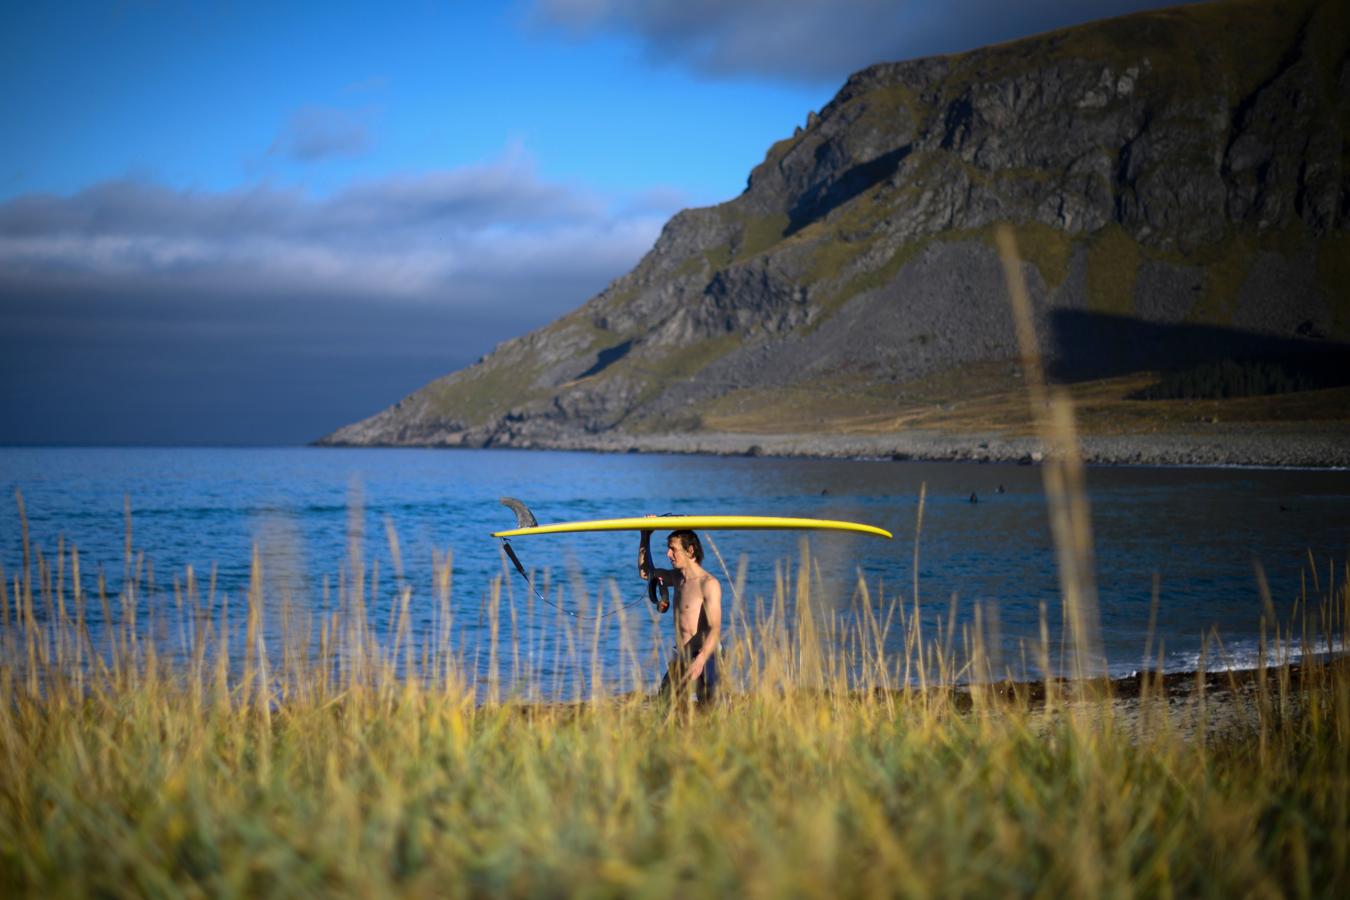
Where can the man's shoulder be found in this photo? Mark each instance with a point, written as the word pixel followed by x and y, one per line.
pixel 699 579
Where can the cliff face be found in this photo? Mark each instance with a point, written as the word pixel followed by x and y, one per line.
pixel 1185 169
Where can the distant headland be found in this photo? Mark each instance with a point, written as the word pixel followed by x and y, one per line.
pixel 1177 182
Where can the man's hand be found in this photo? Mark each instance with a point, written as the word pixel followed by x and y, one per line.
pixel 696 668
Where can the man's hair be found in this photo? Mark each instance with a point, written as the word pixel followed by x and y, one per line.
pixel 689 541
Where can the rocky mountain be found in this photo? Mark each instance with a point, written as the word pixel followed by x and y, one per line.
pixel 1177 181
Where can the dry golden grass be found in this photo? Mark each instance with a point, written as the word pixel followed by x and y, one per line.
pixel 326 761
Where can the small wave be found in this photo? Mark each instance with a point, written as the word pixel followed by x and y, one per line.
pixel 1236 657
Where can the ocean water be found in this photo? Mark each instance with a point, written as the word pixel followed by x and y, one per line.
pixel 1194 538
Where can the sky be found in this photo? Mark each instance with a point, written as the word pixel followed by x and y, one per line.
pixel 246 223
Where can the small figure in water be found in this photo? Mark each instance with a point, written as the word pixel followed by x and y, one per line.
pixel 974 498
pixel 698 614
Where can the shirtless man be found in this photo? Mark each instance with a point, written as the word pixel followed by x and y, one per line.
pixel 698 614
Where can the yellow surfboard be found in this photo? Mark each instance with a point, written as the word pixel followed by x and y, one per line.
pixel 701 523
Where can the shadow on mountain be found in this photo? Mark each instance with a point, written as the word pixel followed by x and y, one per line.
pixel 817 201
pixel 1196 360
pixel 606 358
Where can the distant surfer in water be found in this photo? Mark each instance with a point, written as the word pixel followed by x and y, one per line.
pixel 698 614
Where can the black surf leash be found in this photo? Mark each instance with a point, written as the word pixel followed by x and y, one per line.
pixel 526 519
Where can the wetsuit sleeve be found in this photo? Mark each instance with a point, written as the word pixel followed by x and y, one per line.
pixel 645 556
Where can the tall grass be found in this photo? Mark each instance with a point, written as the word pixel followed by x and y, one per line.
pixel 320 757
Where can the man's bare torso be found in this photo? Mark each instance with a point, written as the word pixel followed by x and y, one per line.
pixel 690 618
pixel 698 613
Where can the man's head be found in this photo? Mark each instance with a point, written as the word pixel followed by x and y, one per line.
pixel 683 544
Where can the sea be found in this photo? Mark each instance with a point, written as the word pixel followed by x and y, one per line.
pixel 1187 561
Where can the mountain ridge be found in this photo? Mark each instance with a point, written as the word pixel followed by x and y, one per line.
pixel 1152 173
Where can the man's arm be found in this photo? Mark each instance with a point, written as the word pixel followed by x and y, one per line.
pixel 645 556
pixel 712 611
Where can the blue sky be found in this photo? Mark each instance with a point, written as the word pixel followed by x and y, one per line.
pixel 211 97
pixel 252 223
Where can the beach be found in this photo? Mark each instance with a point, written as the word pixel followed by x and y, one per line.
pixel 1216 445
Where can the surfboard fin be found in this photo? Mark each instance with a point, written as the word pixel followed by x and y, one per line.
pixel 524 518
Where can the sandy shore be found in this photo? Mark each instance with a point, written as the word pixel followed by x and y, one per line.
pixel 1322 447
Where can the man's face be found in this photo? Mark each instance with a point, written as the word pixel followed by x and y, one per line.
pixel 678 556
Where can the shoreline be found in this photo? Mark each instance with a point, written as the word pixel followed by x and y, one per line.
pixel 1323 449
pixel 1150 684
pixel 1224 704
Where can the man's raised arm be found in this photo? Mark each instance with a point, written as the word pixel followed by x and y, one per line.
pixel 645 556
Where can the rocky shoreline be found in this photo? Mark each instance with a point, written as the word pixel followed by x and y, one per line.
pixel 1224 704
pixel 1326 447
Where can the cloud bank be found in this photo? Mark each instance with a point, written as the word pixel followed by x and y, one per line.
pixel 441 236
pixel 819 41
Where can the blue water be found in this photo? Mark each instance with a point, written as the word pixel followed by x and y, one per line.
pixel 1197 534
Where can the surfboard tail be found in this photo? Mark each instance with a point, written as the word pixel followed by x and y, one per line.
pixel 524 518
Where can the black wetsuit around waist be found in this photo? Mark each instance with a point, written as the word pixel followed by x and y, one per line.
pixel 705 685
